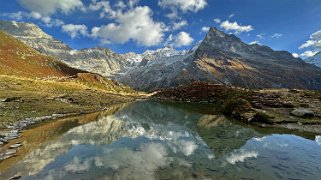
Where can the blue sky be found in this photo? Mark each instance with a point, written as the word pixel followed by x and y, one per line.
pixel 138 25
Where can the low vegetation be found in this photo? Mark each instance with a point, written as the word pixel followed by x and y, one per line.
pixel 22 97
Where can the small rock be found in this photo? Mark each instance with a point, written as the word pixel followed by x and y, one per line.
pixel 15 177
pixel 9 99
pixel 303 112
pixel 14 146
pixel 10 152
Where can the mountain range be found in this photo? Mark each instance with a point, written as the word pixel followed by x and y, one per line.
pixel 219 58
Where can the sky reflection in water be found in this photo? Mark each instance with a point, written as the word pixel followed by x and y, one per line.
pixel 152 140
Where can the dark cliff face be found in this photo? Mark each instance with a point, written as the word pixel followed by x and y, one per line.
pixel 230 61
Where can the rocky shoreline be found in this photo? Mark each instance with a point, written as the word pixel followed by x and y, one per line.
pixel 14 129
pixel 282 108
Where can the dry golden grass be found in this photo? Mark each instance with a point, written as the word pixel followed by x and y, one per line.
pixel 46 97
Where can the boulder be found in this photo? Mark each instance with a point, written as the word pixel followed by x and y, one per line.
pixel 303 112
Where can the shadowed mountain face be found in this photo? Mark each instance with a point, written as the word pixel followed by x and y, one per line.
pixel 230 61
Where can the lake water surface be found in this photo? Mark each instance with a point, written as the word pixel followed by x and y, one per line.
pixel 157 140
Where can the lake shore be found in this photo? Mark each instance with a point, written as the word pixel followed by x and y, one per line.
pixel 280 108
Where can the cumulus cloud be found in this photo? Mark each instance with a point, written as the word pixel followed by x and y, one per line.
pixel 233 26
pixel 46 20
pixel 136 24
pixel 255 42
pixel 183 5
pixel 179 25
pixel 313 42
pixel 49 7
pixel 205 29
pixel 105 8
pixel 296 55
pixel 308 54
pixel 15 16
pixel 182 39
pixel 308 43
pixel 217 20
pixel 74 30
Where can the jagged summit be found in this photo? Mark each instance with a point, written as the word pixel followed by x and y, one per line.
pixel 219 40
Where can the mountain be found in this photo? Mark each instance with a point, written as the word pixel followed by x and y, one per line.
pixel 316 59
pixel 219 58
pixel 223 58
pixel 16 58
pixel 96 60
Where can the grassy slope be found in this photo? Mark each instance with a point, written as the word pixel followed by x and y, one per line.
pixel 46 86
pixel 16 58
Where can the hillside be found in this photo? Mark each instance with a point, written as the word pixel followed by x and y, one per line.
pixel 19 59
pixel 33 85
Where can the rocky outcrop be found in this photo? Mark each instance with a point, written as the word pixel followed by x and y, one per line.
pixel 266 108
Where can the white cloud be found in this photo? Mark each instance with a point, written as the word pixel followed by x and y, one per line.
pixel 296 55
pixel 261 36
pixel 15 16
pixel 182 39
pixel 183 5
pixel 47 20
pixel 205 29
pixel 231 15
pixel 179 25
pixel 316 35
pixel 241 156
pixel 136 24
pixel 105 7
pixel 234 26
pixel 75 30
pixel 49 7
pixel 314 41
pixel 255 42
pixel 308 54
pixel 276 35
pixel 307 44
pixel 217 20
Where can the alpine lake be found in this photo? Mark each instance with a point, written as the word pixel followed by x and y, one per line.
pixel 162 140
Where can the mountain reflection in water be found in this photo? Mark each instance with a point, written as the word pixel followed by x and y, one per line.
pixel 154 140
